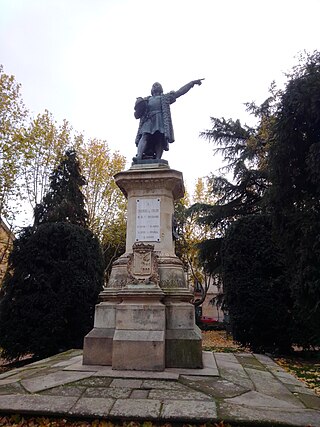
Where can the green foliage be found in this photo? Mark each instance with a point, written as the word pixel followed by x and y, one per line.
pixel 64 202
pixel 295 192
pixel 244 152
pixel 12 116
pixel 295 153
pixel 275 170
pixel 43 143
pixel 256 295
pixel 47 302
pixel 209 255
pixel 188 236
pixel 113 243
pixel 104 201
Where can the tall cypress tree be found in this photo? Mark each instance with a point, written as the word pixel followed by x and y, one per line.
pixel 64 201
pixel 294 164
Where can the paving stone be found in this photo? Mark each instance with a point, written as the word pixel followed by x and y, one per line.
pixel 8 373
pixel 64 391
pixel 97 407
pixel 128 383
pixel 196 377
pixel 238 413
pixel 25 373
pixel 43 382
pixel 310 401
pixel 9 380
pixel 287 378
pixel 68 362
pixel 266 360
pixel 260 400
pixel 94 382
pixel 136 409
pixel 300 389
pixel 211 372
pixel 37 404
pixel 35 372
pixel 49 361
pixel 139 394
pixel 181 395
pixel 182 410
pixel 237 376
pixel 215 387
pixel 261 378
pixel 266 383
pixel 84 368
pixel 228 357
pixel 165 385
pixel 45 362
pixel 114 392
pixel 208 360
pixel 228 361
pixel 107 371
pixel 249 361
pixel 225 364
pixel 14 388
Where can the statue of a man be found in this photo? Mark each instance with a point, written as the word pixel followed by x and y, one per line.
pixel 155 129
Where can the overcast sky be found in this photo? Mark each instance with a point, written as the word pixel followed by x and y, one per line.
pixel 88 60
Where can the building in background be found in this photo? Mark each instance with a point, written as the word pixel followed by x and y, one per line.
pixel 209 307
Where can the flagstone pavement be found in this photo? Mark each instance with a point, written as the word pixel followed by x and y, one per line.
pixel 244 388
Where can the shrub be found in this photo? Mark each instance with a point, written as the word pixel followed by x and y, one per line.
pixel 256 294
pixel 47 302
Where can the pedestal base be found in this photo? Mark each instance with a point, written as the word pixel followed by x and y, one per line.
pixel 184 348
pixel 139 350
pixel 183 337
pixel 97 347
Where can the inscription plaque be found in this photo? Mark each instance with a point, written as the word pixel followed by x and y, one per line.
pixel 148 220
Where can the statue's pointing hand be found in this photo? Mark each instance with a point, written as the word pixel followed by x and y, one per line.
pixel 197 82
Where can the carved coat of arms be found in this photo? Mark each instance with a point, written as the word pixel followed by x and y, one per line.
pixel 143 265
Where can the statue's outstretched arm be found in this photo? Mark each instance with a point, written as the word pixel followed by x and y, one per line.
pixel 184 89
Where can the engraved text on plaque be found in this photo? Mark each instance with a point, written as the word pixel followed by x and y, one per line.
pixel 148 220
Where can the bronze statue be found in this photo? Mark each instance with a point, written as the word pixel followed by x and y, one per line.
pixel 155 129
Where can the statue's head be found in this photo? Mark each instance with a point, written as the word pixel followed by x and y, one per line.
pixel 156 89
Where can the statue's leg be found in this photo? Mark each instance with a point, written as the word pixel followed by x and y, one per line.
pixel 159 150
pixel 159 146
pixel 142 145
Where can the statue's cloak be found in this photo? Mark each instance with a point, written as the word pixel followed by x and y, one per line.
pixel 163 117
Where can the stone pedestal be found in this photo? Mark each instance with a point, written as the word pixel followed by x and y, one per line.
pixel 145 320
pixel 139 339
pixel 98 343
pixel 183 337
